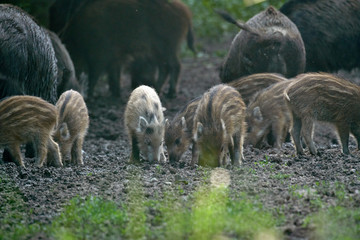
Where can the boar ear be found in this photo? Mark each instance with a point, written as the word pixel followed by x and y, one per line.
pixel 257 113
pixel 183 123
pixel 199 131
pixel 143 123
pixel 165 122
pixel 64 132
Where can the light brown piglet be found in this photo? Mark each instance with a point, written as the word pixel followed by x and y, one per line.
pixel 28 119
pixel 248 86
pixel 323 97
pixel 145 124
pixel 219 127
pixel 178 131
pixel 268 114
pixel 73 123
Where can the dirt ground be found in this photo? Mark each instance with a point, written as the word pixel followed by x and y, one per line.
pixel 270 174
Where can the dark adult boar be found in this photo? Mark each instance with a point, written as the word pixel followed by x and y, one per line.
pixel 248 86
pixel 323 97
pixel 268 114
pixel 171 24
pixel 268 42
pixel 330 30
pixel 25 119
pixel 27 58
pixel 219 127
pixel 66 72
pixel 103 35
pixel 178 131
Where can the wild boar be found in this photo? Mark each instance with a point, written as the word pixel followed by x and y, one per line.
pixel 73 123
pixel 323 97
pixel 27 59
pixel 268 42
pixel 330 30
pixel 178 131
pixel 219 127
pixel 268 114
pixel 171 23
pixel 66 77
pixel 25 119
pixel 248 86
pixel 145 124
pixel 122 30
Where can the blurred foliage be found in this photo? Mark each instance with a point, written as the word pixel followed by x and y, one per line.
pixel 39 9
pixel 206 22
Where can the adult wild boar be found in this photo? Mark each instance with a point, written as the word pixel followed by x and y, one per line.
pixel 66 72
pixel 268 42
pixel 330 30
pixel 103 35
pixel 27 58
pixel 171 24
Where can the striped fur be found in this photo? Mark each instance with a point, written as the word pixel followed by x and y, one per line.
pixel 249 85
pixel 178 132
pixel 323 97
pixel 145 124
pixel 25 119
pixel 219 126
pixel 268 114
pixel 73 123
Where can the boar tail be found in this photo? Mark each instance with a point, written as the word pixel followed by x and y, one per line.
pixel 190 39
pixel 227 17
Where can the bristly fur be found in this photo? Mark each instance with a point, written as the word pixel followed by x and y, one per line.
pixel 266 114
pixel 145 124
pixel 73 123
pixel 248 86
pixel 323 97
pixel 219 125
pixel 28 119
pixel 278 48
pixel 178 132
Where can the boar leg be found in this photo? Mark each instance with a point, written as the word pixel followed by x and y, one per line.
pixel 163 74
pixel 355 129
pixel 174 76
pixel 94 75
pixel 54 152
pixel 14 150
pixel 278 134
pixel 135 151
pixel 238 156
pixel 76 151
pixel 343 130
pixel 41 152
pixel 114 72
pixel 195 154
pixel 308 132
pixel 295 133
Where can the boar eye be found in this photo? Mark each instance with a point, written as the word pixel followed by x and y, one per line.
pixel 177 141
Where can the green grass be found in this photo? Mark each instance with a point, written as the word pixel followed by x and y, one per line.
pixel 336 223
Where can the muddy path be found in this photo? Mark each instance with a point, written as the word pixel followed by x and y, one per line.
pixel 285 184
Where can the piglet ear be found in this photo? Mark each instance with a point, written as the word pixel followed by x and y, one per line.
pixel 163 109
pixel 257 113
pixel 183 123
pixel 64 132
pixel 143 123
